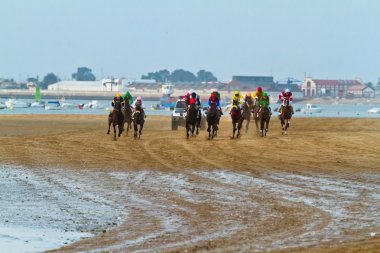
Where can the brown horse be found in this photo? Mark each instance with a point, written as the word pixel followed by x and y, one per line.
pixel 256 118
pixel 138 119
pixel 264 116
pixel 237 120
pixel 247 110
pixel 286 115
pixel 212 121
pixel 116 118
pixel 127 116
pixel 191 120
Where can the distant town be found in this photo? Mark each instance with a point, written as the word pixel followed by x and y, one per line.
pixel 84 82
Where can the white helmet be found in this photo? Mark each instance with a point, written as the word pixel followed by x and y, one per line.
pixel 287 90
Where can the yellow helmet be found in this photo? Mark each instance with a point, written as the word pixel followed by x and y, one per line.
pixel 248 94
pixel 118 95
pixel 237 93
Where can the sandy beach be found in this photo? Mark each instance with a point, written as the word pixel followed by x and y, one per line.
pixel 316 189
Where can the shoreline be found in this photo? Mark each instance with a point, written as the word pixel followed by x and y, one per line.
pixel 156 95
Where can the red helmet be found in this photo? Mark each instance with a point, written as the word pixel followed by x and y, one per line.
pixel 259 88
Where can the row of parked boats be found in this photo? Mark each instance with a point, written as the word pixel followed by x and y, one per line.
pixel 49 105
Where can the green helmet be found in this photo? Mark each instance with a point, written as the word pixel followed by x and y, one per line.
pixel 265 94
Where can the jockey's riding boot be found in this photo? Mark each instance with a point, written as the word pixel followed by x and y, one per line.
pixel 292 109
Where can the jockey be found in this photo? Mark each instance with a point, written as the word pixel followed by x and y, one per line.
pixel 236 100
pixel 264 101
pixel 118 97
pixel 258 93
pixel 128 97
pixel 215 98
pixel 248 96
pixel 195 100
pixel 139 102
pixel 283 95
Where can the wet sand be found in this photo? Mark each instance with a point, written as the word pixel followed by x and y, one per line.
pixel 316 189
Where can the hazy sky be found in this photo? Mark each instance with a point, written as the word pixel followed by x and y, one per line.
pixel 320 38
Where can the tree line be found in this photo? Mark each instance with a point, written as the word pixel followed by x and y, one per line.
pixel 180 75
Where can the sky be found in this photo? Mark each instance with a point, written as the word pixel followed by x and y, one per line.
pixel 322 39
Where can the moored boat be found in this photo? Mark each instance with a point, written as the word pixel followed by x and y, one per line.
pixel 13 103
pixel 374 110
pixel 53 105
pixel 310 108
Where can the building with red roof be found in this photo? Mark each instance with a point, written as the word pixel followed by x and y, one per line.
pixel 335 88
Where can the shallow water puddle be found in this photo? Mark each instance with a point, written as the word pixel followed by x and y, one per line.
pixel 171 210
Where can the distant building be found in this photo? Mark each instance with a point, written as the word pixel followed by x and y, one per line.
pixel 103 85
pixel 250 83
pixel 76 86
pixel 335 88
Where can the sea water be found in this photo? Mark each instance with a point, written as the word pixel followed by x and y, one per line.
pixel 328 110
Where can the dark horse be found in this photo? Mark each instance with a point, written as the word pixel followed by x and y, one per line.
pixel 264 116
pixel 192 121
pixel 247 109
pixel 138 119
pixel 127 116
pixel 286 115
pixel 237 120
pixel 116 118
pixel 256 117
pixel 212 121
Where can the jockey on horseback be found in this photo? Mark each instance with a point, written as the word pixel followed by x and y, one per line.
pixel 264 101
pixel 258 94
pixel 286 95
pixel 215 98
pixel 195 100
pixel 128 97
pixel 236 100
pixel 248 96
pixel 120 99
pixel 139 102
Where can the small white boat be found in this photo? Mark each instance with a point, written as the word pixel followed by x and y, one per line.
pixel 53 105
pixel 13 103
pixel 37 104
pixel 374 110
pixel 310 108
pixel 92 105
pixel 67 105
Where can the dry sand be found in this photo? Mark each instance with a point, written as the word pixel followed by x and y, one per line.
pixel 316 189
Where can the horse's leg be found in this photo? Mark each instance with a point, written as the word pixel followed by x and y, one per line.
pixel 233 129
pixel 240 126
pixel 141 128
pixel 134 129
pixel 187 129
pixel 267 126
pixel 114 131
pixel 262 127
pixel 257 125
pixel 109 125
pixel 193 129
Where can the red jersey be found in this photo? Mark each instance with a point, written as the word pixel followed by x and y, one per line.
pixel 284 95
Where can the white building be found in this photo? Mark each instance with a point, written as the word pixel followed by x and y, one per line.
pixel 103 85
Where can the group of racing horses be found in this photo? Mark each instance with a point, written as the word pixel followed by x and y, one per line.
pixel 123 116
pixel 261 116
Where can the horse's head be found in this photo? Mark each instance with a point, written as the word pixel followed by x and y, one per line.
pixel 235 110
pixel 117 105
pixel 286 101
